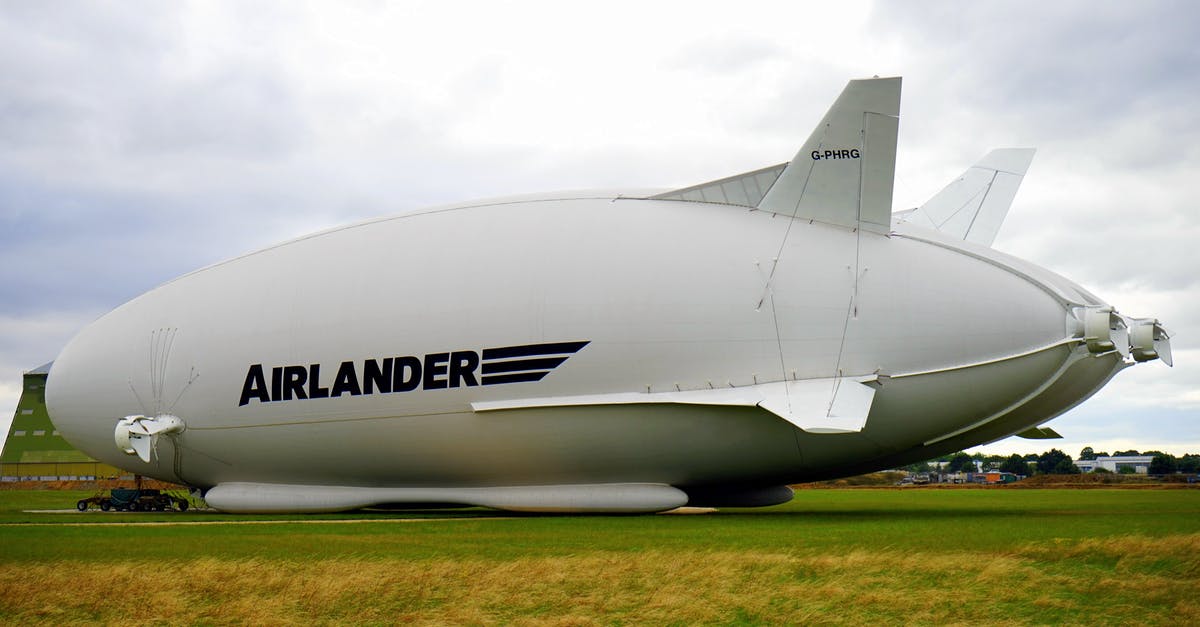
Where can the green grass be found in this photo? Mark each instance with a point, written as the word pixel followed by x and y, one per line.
pixel 919 520
pixel 831 556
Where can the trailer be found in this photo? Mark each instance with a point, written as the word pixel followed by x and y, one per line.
pixel 134 500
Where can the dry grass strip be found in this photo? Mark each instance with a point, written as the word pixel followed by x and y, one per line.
pixel 1112 581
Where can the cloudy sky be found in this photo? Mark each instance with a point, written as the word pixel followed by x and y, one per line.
pixel 141 140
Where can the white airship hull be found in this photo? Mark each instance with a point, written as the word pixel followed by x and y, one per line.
pixel 544 348
pixel 364 293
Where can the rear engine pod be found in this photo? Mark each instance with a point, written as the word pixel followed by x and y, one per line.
pixel 1149 340
pixel 1104 331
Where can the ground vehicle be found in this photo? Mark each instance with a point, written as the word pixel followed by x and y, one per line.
pixel 134 500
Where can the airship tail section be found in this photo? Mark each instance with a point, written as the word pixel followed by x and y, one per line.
pixel 974 205
pixel 844 173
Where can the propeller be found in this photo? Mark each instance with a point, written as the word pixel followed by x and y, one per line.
pixel 138 435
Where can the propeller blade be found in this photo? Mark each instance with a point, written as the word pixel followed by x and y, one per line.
pixel 141 445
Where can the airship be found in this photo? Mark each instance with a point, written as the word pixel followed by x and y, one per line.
pixel 617 351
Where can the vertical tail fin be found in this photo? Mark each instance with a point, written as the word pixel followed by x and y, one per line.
pixel 844 173
pixel 973 206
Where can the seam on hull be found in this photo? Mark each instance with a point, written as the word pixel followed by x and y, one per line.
pixel 1071 360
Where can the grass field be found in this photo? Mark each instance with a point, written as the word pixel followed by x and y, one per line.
pixel 859 556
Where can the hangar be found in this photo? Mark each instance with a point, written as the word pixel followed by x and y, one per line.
pixel 35 451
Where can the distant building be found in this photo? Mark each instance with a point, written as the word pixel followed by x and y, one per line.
pixel 34 450
pixel 995 477
pixel 1139 463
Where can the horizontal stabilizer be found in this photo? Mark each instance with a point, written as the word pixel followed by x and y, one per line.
pixel 844 173
pixel 745 189
pixel 835 405
pixel 973 206
pixel 838 405
pixel 1039 433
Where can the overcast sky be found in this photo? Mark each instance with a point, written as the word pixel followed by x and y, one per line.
pixel 141 140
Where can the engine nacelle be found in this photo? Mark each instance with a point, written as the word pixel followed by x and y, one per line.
pixel 1104 331
pixel 138 435
pixel 1149 340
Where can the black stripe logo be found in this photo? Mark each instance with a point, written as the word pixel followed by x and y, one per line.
pixel 529 362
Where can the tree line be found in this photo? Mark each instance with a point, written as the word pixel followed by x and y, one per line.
pixel 1056 462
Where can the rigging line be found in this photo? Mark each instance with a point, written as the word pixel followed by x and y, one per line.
pixel 767 289
pixel 987 190
pixel 837 370
pixel 782 365
pixel 192 376
pixel 158 371
pixel 775 263
pixel 859 230
pixel 968 202
pixel 779 253
pixel 137 396
pixel 162 379
pixel 852 306
pixel 153 367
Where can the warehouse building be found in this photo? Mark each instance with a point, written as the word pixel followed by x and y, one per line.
pixel 1139 463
